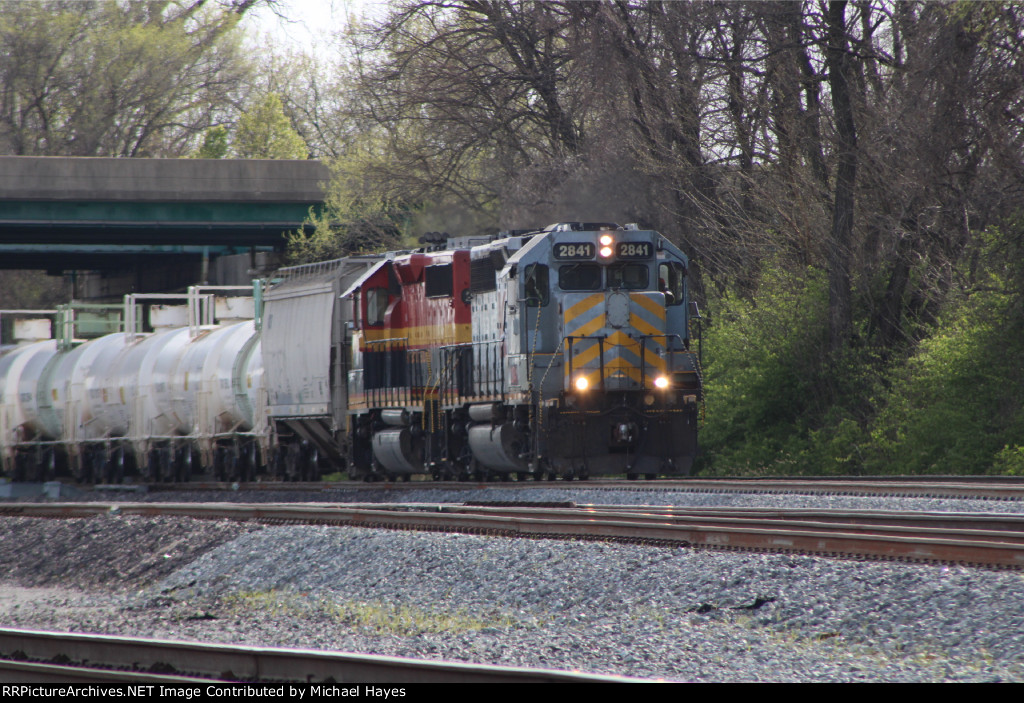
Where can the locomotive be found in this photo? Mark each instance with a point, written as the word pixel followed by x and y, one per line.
pixel 560 352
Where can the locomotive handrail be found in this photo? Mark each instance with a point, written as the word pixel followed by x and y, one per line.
pixel 600 351
pixel 643 357
pixel 389 389
pixel 485 377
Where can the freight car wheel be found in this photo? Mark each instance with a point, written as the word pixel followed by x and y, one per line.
pixel 311 464
pixel 117 466
pixel 183 465
pixel 231 472
pixel 252 463
pixel 153 466
pixel 99 468
pixel 218 464
pixel 166 474
pixel 48 465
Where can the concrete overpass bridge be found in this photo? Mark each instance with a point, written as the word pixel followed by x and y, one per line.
pixel 121 225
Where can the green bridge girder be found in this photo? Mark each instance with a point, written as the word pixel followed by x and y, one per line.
pixel 79 213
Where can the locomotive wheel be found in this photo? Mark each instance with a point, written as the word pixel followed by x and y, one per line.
pixel 632 477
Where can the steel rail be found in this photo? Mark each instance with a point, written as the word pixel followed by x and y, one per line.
pixel 921 542
pixel 985 488
pixel 168 660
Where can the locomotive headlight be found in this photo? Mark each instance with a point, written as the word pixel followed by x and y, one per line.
pixel 582 383
pixel 606 240
pixel 661 382
pixel 605 252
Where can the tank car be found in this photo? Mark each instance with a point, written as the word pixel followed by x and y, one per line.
pixel 165 403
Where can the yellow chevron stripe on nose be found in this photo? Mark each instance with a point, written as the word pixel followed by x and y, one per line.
pixel 650 304
pixel 582 306
pixel 643 326
pixel 587 329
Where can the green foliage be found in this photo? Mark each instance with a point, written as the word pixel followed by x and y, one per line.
pixel 264 132
pixel 776 405
pixel 1009 461
pixel 954 407
pixel 763 360
pixel 32 290
pixel 353 227
pixel 215 144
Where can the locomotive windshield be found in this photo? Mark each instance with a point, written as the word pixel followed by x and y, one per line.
pixel 580 277
pixel 629 276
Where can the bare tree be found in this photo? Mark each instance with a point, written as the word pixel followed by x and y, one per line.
pixel 115 79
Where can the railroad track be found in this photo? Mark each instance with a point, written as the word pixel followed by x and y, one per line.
pixel 28 656
pixel 969 487
pixel 975 539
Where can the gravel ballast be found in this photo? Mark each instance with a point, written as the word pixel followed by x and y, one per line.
pixel 670 613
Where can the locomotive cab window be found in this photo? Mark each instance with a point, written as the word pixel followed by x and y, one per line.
pixel 376 306
pixel 670 281
pixel 628 276
pixel 535 282
pixel 438 281
pixel 580 277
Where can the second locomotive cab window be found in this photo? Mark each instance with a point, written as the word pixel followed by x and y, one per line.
pixel 537 292
pixel 438 280
pixel 629 276
pixel 580 277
